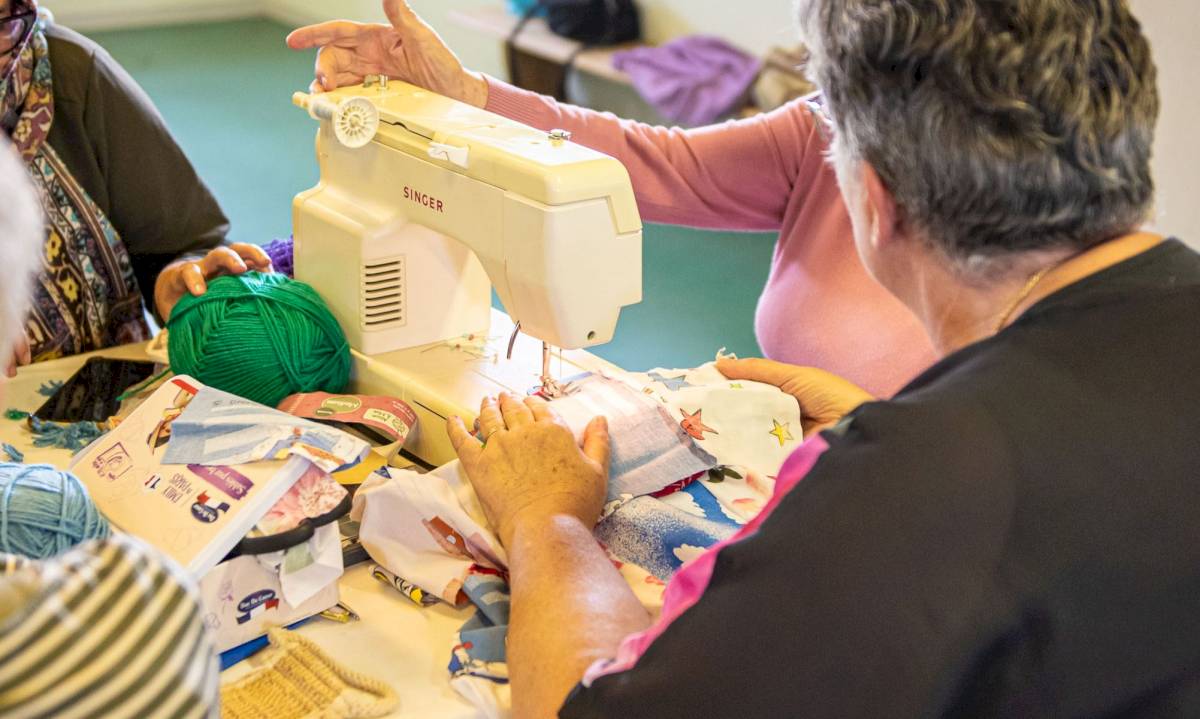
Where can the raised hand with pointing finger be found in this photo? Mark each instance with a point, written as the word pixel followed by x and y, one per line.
pixel 406 49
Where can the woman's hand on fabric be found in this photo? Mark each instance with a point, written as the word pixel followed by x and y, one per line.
pixel 193 275
pixel 406 49
pixel 528 466
pixel 824 398
pixel 21 355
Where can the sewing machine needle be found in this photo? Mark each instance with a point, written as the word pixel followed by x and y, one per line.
pixel 546 381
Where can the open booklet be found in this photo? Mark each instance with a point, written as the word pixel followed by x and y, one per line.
pixel 194 513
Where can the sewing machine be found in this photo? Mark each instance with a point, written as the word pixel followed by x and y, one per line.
pixel 424 204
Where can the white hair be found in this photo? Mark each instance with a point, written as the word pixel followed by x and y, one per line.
pixel 21 239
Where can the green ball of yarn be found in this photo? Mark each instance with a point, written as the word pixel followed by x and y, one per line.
pixel 45 512
pixel 259 336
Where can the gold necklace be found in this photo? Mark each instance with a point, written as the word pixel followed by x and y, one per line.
pixel 1031 283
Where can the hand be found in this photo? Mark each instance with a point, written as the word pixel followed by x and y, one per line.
pixel 824 398
pixel 193 275
pixel 529 467
pixel 407 49
pixel 20 356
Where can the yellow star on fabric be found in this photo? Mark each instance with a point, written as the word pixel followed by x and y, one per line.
pixel 782 432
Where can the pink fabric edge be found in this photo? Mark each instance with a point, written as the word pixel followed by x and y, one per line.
pixel 689 584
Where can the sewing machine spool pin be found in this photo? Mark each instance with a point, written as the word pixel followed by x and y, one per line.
pixel 380 81
pixel 355 120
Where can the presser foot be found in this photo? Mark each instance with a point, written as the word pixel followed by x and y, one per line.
pixel 551 388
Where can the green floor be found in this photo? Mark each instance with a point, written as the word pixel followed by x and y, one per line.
pixel 225 90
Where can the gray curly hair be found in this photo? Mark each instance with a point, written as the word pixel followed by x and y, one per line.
pixel 999 126
pixel 21 237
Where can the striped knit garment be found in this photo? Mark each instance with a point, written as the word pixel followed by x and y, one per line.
pixel 113 629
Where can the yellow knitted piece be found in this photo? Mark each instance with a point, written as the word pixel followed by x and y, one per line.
pixel 300 682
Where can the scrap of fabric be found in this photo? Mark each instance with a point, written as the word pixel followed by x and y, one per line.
pixel 218 428
pixel 650 449
pixel 744 423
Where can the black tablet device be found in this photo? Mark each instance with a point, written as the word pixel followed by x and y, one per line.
pixel 91 393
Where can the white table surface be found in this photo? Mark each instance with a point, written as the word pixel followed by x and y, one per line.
pixel 395 641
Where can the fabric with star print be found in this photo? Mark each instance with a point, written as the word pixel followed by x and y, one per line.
pixel 743 423
pixel 650 448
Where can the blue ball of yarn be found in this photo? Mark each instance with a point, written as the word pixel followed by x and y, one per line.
pixel 45 512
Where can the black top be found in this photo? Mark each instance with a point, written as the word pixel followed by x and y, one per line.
pixel 1016 534
pixel 119 149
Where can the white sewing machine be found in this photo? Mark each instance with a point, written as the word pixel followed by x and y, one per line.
pixel 424 204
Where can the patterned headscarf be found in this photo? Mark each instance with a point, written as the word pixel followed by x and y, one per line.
pixel 26 100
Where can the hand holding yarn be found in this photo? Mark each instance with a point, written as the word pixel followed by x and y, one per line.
pixel 45 512
pixel 259 336
pixel 183 276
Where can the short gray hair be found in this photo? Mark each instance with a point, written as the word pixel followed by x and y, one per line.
pixel 21 240
pixel 999 126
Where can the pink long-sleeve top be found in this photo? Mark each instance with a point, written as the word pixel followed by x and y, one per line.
pixel 767 173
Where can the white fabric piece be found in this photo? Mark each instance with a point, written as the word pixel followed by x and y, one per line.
pixel 307 568
pixel 744 497
pixel 494 701
pixel 417 527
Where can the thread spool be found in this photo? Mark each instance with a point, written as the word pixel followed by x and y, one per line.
pixel 45 512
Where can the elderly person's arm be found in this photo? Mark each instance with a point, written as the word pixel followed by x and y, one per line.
pixel 543 493
pixel 119 148
pixel 739 175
